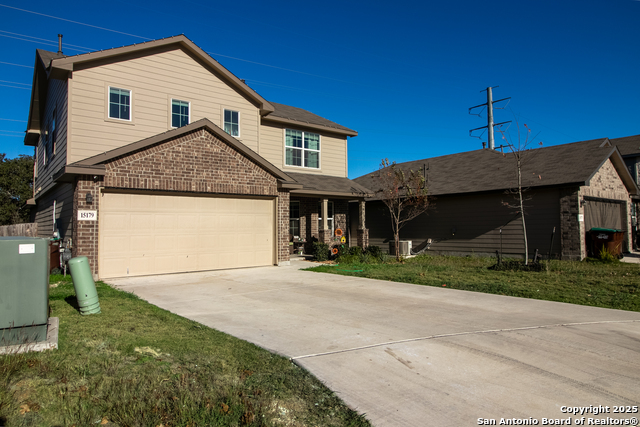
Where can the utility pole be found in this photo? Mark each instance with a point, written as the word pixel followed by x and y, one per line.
pixel 490 124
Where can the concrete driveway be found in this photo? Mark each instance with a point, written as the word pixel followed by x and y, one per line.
pixel 408 355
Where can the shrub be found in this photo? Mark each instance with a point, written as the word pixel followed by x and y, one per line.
pixel 605 255
pixel 320 251
pixel 374 252
pixel 355 250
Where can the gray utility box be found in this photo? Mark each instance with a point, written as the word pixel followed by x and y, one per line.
pixel 24 290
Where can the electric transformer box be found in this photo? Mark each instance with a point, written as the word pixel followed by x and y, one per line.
pixel 24 289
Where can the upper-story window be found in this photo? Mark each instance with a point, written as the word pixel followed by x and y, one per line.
pixel 232 122
pixel 179 113
pixel 119 103
pixel 302 149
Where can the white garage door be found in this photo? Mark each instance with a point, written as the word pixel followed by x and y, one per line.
pixel 155 234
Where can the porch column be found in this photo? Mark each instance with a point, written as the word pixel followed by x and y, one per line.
pixel 324 234
pixel 325 209
pixel 363 232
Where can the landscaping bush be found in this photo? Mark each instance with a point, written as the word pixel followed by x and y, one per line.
pixel 374 252
pixel 320 251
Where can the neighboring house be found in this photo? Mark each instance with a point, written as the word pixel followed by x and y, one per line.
pixel 570 188
pixel 629 147
pixel 154 158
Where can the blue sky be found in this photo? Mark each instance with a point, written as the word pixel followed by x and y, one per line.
pixel 403 74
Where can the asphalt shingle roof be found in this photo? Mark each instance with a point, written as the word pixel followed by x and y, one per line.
pixel 304 116
pixel 629 145
pixel 488 170
pixel 328 184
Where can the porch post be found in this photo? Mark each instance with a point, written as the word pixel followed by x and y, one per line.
pixel 325 209
pixel 363 232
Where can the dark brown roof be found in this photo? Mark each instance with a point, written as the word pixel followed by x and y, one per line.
pixel 288 114
pixel 327 185
pixel 487 170
pixel 628 146
pixel 46 56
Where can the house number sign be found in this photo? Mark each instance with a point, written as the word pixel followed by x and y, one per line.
pixel 87 215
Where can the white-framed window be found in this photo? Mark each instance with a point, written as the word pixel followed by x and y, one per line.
pixel 232 122
pixel 180 113
pixel 119 103
pixel 294 218
pixel 302 149
pixel 329 215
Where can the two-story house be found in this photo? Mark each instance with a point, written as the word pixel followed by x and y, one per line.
pixel 154 158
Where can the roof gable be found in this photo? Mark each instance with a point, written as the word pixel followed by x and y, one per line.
pixel 97 162
pixel 61 67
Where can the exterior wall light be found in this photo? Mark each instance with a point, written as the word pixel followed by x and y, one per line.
pixel 89 198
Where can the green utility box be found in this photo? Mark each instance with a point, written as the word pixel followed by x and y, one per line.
pixel 24 290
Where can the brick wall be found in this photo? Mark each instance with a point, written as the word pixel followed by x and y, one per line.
pixel 607 184
pixel 85 233
pixel 571 230
pixel 196 162
pixel 283 226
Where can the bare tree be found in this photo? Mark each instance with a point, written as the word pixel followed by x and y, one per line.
pixel 405 194
pixel 520 150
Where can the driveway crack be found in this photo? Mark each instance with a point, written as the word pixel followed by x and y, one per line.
pixel 456 334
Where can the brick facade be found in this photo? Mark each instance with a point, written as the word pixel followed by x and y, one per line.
pixel 309 223
pixel 85 233
pixel 196 162
pixel 571 229
pixel 605 184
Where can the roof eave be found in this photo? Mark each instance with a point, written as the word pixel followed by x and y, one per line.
pixel 282 120
pixel 69 64
pixel 103 158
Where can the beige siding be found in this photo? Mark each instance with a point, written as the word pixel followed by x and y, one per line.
pixel 466 224
pixel 56 99
pixel 333 151
pixel 153 80
pixel 63 197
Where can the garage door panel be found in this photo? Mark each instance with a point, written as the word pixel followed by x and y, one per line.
pixel 152 234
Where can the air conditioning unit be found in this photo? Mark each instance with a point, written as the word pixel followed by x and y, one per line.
pixel 405 247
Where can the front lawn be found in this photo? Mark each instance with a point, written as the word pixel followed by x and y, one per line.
pixel 137 365
pixel 609 285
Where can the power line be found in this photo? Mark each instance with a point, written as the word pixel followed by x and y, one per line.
pixel 49 41
pixel 16 83
pixel 13 131
pixel 73 22
pixel 16 87
pixel 279 68
pixel 17 65
pixel 14 120
pixel 45 42
pixel 14 136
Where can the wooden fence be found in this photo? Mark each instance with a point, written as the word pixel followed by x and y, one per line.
pixel 29 229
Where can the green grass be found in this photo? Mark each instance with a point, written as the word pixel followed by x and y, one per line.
pixel 609 285
pixel 137 365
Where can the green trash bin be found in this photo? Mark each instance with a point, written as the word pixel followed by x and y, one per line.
pixel 607 238
pixel 84 285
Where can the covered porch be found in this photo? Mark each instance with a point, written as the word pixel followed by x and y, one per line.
pixel 327 209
